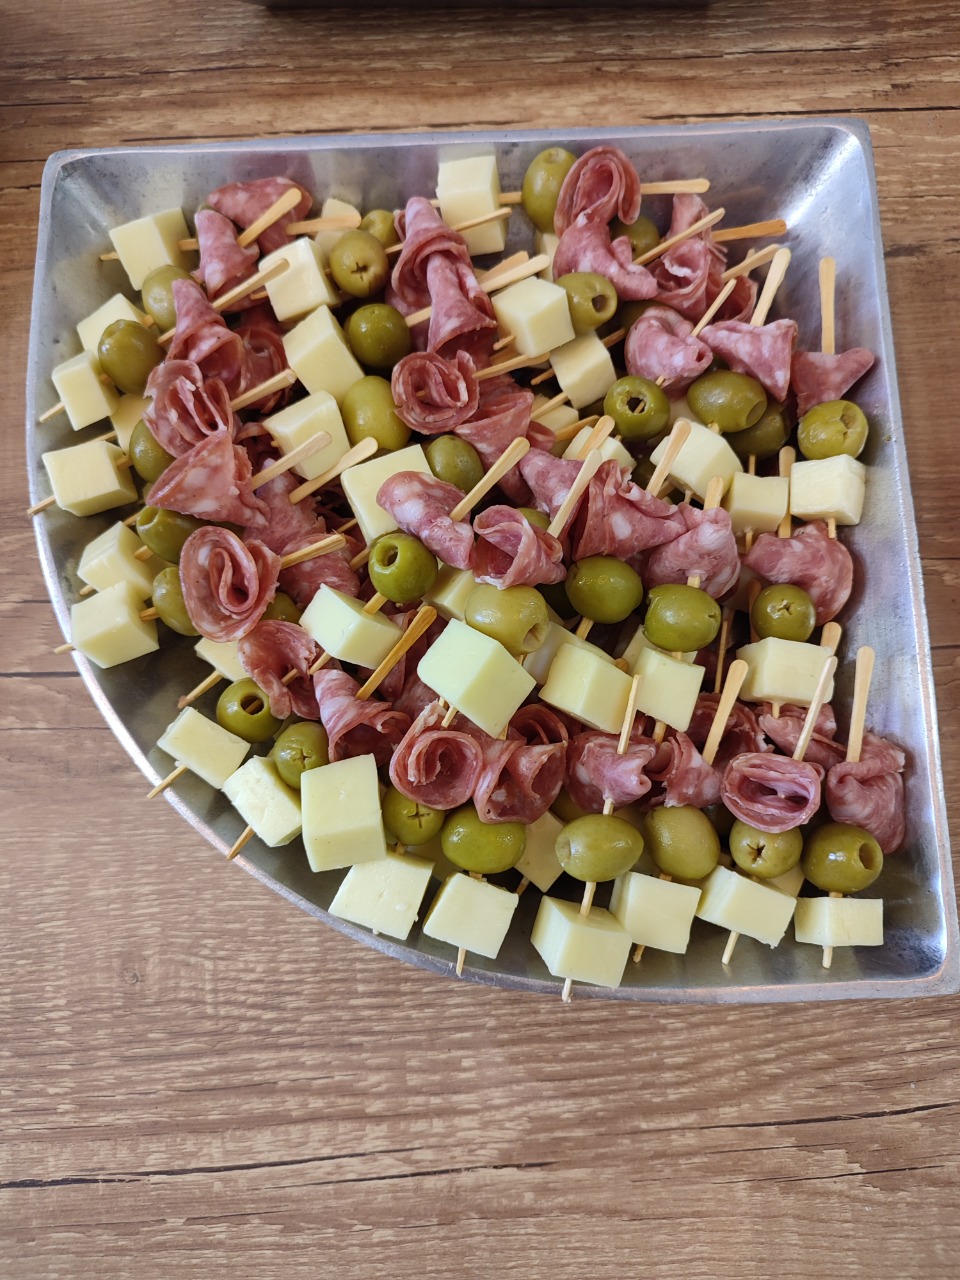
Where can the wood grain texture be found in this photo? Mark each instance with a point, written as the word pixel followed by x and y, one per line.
pixel 197 1080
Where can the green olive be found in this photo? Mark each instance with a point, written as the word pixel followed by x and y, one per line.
pixel 401 568
pixel 409 821
pixel 566 808
pixel 830 429
pixel 378 335
pixel 840 858
pixel 682 841
pixel 784 611
pixel 157 294
pixel 300 747
pixel 765 438
pixel 534 517
pixel 598 847
pixel 604 588
pixel 642 234
pixel 169 602
pixel 591 297
pixel 380 223
pixel 359 264
pixel 681 618
pixel 643 472
pixel 555 594
pixel 721 819
pixel 150 459
pixel 630 312
pixel 765 854
pixel 282 608
pixel 165 532
pixel 454 460
pixel 368 409
pixel 541 185
pixel 516 616
pixel 244 709
pixel 639 407
pixel 127 352
pixel 484 847
pixel 734 401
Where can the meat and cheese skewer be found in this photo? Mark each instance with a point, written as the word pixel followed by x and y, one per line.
pixel 693 230
pixel 289 200
pixel 667 187
pixel 494 215
pixel 489 282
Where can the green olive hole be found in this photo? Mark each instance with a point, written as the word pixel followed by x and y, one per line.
pixel 868 856
pixel 637 404
pixel 251 704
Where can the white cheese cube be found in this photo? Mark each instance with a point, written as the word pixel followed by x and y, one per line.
pixel 342 823
pixel 704 455
pixel 538 862
pixel 756 502
pixel 264 801
pixel 546 242
pixel 592 948
pixel 783 671
pixel 334 208
pixel 107 627
pixel 468 188
pixel 472 914
pixel 656 913
pixel 828 487
pixel 318 353
pixel 203 745
pixel 539 662
pixel 680 409
pixel 587 688
pixel 669 687
pixel 740 600
pixel 537 313
pixel 385 895
pixel 296 424
pixel 839 922
pixel 151 242
pixel 304 285
pixel 564 415
pixel 90 330
pixel 85 398
pixel 340 627
pixel 126 416
pixel 475 674
pixel 86 478
pixel 610 450
pixel 638 642
pixel 109 559
pixel 222 656
pixel 789 882
pixel 584 369
pixel 734 902
pixel 362 483
pixel 451 591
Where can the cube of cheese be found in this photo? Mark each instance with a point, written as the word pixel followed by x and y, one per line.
pixel 451 591
pixel 90 330
pixel 783 671
pixel 538 862
pixel 85 398
pixel 222 656
pixel 299 422
pixel 107 627
pixel 588 688
pixel 339 625
pixel 537 313
pixel 546 242
pixel 362 483
pixel 790 882
pixel 539 662
pixel 680 409
pixel 204 746
pixel 86 478
pixel 611 450
pixel 333 207
pixel 592 948
pixel 126 416
pixel 656 913
pixel 742 905
pixel 839 922
pixel 756 502
pixel 468 188
pixel 584 369
pixel 475 674
pixel 828 487
pixel 318 353
pixel 669 687
pixel 264 801
pixel 342 823
pixel 703 456
pixel 109 559
pixel 472 914
pixel 151 242
pixel 304 285
pixel 638 642
pixel 385 895
pixel 564 415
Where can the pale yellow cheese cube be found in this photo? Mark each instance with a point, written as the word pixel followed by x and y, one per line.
pixel 475 674
pixel 86 478
pixel 839 922
pixel 669 688
pixel 790 882
pixel 264 801
pixel 204 746
pixel 783 671
pixel 340 627
pixel 362 483
pixel 584 369
pixel 125 417
pixel 537 313
pixel 703 456
pixel 611 450
pixel 546 242
pixel 756 502
pixel 90 330
pixel 110 558
pixel 342 823
pixel 333 207
pixel 822 488
pixel 472 914
pixel 564 415
pixel 385 895
pixel 539 662
pixel 468 188
pixel 85 398
pixel 587 688
pixel 538 862
pixel 680 409
pixel 304 285
pixel 151 242
pixel 451 591
pixel 107 627
pixel 318 354
pixel 592 948
pixel 742 905
pixel 299 422
pixel 638 642
pixel 222 656
pixel 740 600
pixel 656 913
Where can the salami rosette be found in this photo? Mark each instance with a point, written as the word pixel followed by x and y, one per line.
pixel 212 482
pixel 595 770
pixel 434 395
pixel 706 550
pixel 618 518
pixel 435 766
pixel 784 732
pixel 869 793
pixel 224 262
pixel 264 356
pixel 661 345
pixel 185 407
pixel 245 202
pixel 202 335
pixel 683 774
pixel 810 559
pixel 421 506
pixel 586 246
pixel 226 583
pixel 511 552
pixel 356 726
pixel 817 376
pixel 762 351
pixel 519 781
pixel 268 653
pixel 771 792
pixel 601 185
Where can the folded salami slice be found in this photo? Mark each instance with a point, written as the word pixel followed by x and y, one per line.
pixel 185 407
pixel 618 518
pixel 226 583
pixel 421 506
pixel 741 733
pixel 201 335
pixel 432 394
pixel 784 732
pixel 271 650
pixel 397 678
pixel 683 275
pixel 286 522
pixel 602 184
pixel 536 723
pixel 660 345
pixel 706 549
pixel 212 482
pixel 770 792
pixel 224 262
pixel 461 316
pixel 302 581
pixel 596 772
pixel 434 766
pixel 549 479
pixel 502 416
pixel 518 782
pixel 511 552
pixel 425 235
pixel 586 246
pixel 817 377
pixel 762 351
pixel 245 202
pixel 264 356
pixel 684 775
pixel 870 794
pixel 812 560
pixel 355 726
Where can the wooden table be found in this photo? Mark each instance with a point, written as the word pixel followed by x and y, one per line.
pixel 200 1081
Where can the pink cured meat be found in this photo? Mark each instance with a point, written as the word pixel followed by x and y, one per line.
pixel 434 395
pixel 707 549
pixel 518 782
pixel 212 482
pixel 202 335
pixel 684 775
pixel 784 732
pixel 550 479
pixel 425 234
pixel 586 246
pixel 302 581
pixel 683 275
pixel 398 677
pixel 264 356
pixel 618 518
pixel 185 407
pixel 434 766
pixel 762 351
pixel 660 345
pixel 817 377
pixel 224 262
pixel 812 560
pixel 461 316
pixel 601 185
pixel 511 552
pixel 741 301
pixel 771 792
pixel 596 772
pixel 741 733
pixel 421 506
pixel 537 724
pixel 502 416
pixel 245 202
pixel 226 583
pixel 286 521
pixel 356 726
pixel 870 794
pixel 268 652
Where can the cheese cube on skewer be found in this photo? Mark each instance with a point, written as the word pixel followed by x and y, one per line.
pixel 564 415
pixel 546 242
pixel 756 502
pixel 86 478
pixel 475 674
pixel 539 662
pixel 656 913
pixel 299 422
pixel 743 906
pixel 126 416
pixel 636 645
pixel 839 922
pixel 588 688
pixel 264 801
pixel 339 625
pixel 593 948
pixel 537 313
pixel 110 558
pixel 85 398
pixel 90 330
pixel 204 746
pixel 318 354
pixel 790 882
pixel 385 895
pixel 147 243
pixel 669 687
pixel 342 823
pixel 825 488
pixel 451 591
pixel 362 483
pixel 304 285
pixel 222 656
pixel 610 450
pixel 584 369
pixel 538 862
pixel 703 456
pixel 108 629
pixel 472 914
pixel 783 671
pixel 333 207
pixel 468 188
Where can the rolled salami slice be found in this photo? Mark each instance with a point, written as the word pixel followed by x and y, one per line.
pixel 302 581
pixel 212 482
pixel 421 506
pixel 661 345
pixel 201 335
pixel 432 394
pixel 226 583
pixel 810 559
pixel 770 792
pixel 683 275
pixel 618 518
pixel 784 732
pixel 518 782
pixel 264 356
pixel 602 185
pixel 245 202
pixel 596 771
pixel 741 732
pixel 356 726
pixel 684 775
pixel 586 246
pixel 185 407
pixel 286 522
pixel 268 653
pixel 870 794
pixel 437 767
pixel 550 479
pixel 461 316
pixel 817 377
pixel 425 235
pixel 536 723
pixel 223 261
pixel 511 552
pixel 707 549
pixel 763 351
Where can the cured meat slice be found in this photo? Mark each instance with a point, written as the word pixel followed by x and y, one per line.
pixel 682 275
pixel 286 522
pixel 596 772
pixel 706 549
pixel 870 794
pixel 586 246
pixel 741 733
pixel 740 302
pixel 536 723
pixel 302 581
pixel 425 234
pixel 618 518
pixel 432 394
pixel 518 782
pixel 185 407
pixel 415 697
pixel 224 262
pixel 684 775
pixel 201 335
pixel 601 185
pixel 512 552
pixel 268 653
pixel 502 416
pixel 550 479
pixel 812 560
pixel 421 506
pixel 461 316
pixel 355 726
pixel 784 732
pixel 226 583
pixel 212 482
pixel 398 677
pixel 245 202
pixel 773 793
pixel 435 766
pixel 817 377
pixel 660 345
pixel 264 356
pixel 762 351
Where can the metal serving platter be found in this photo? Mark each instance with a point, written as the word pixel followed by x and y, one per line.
pixel 818 174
